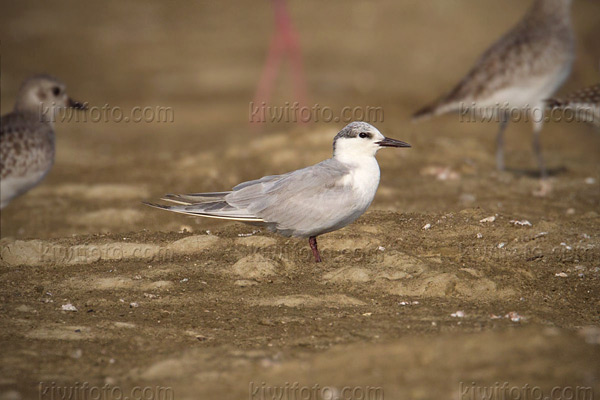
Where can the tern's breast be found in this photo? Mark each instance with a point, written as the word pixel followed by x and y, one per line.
pixel 363 181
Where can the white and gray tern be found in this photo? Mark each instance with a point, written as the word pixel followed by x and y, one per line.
pixel 307 202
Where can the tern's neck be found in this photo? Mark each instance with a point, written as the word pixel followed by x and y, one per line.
pixel 355 158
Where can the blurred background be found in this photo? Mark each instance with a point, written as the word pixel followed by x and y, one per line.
pixel 204 60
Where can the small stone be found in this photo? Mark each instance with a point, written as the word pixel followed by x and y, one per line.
pixel 488 219
pixel 427 226
pixel 68 307
pixel 133 305
pixel 458 314
pixel 248 234
pixel 521 223
pixel 76 354
pixel 514 316
pixel 24 308
pixel 185 229
pixel 561 275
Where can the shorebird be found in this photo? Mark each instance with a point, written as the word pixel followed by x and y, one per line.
pixel 585 103
pixel 518 72
pixel 307 202
pixel 27 135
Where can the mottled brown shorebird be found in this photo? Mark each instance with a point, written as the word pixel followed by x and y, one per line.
pixel 27 135
pixel 518 72
pixel 584 103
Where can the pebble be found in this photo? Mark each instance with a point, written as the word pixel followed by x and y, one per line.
pixel 408 303
pixel 458 314
pixel 68 307
pixel 514 316
pixel 521 223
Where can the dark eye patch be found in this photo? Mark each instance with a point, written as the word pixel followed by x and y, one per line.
pixel 364 135
pixel 56 90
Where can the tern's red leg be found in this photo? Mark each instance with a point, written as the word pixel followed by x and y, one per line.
pixel 313 245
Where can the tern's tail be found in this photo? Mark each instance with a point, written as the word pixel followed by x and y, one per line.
pixel 210 205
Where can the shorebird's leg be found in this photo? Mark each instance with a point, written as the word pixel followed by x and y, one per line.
pixel 313 245
pixel 500 141
pixel 537 149
pixel 545 184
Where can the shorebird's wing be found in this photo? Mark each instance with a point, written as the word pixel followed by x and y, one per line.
pixel 585 103
pixel 17 132
pixel 300 201
pixel 587 97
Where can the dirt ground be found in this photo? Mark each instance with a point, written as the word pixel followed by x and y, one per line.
pixel 458 279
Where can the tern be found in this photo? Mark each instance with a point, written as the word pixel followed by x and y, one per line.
pixel 307 202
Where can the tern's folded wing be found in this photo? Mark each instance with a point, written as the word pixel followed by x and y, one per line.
pixel 298 201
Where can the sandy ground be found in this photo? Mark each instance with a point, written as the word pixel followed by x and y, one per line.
pixel 457 278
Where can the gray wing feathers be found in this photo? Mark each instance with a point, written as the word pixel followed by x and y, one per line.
pixel 284 202
pixel 290 201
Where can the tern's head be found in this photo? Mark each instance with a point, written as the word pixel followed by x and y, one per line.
pixel 359 139
pixel 44 95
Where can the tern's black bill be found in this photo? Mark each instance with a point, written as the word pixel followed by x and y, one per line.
pixel 77 105
pixel 389 142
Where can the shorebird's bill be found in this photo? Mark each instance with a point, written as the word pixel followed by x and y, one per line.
pixel 77 104
pixel 389 142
